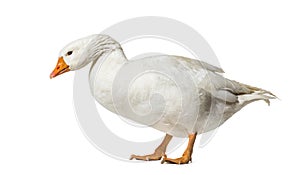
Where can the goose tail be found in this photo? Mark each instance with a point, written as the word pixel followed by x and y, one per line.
pixel 255 95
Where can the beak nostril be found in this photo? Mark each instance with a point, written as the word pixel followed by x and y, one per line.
pixel 60 68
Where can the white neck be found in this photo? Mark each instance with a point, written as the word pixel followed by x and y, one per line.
pixel 102 75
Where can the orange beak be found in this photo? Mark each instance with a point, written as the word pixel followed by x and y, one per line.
pixel 61 67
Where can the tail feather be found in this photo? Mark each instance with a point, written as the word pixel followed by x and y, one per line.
pixel 255 95
pixel 260 91
pixel 245 94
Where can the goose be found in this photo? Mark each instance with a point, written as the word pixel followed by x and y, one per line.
pixel 194 96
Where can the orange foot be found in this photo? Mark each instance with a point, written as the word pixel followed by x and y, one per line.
pixel 186 156
pixel 185 159
pixel 159 151
pixel 149 157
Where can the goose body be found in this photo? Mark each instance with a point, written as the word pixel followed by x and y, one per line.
pixel 176 95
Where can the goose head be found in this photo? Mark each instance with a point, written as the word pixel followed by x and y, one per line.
pixel 79 53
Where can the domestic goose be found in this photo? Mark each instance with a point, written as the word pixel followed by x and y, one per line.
pixel 179 96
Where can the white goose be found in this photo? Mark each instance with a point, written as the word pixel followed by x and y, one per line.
pixel 196 98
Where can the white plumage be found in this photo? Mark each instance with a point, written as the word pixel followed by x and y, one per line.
pixel 176 95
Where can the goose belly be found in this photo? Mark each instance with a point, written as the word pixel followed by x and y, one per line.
pixel 158 101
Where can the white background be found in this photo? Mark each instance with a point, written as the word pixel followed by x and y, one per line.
pixel 256 42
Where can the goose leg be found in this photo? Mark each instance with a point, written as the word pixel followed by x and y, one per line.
pixel 186 156
pixel 158 153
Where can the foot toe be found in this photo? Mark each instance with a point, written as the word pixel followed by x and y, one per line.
pixel 145 157
pixel 181 160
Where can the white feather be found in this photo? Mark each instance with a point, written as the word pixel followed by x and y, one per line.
pixel 176 95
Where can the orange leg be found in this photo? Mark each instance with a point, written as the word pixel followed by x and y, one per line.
pixel 158 153
pixel 186 156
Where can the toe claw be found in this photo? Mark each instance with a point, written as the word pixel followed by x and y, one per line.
pixel 132 157
pixel 163 159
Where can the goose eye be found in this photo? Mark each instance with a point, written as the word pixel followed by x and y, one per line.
pixel 69 53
